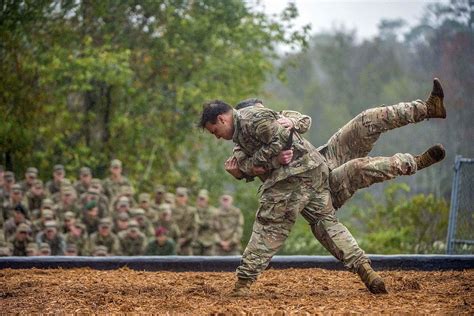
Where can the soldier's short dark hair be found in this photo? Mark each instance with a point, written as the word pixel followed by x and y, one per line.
pixel 247 102
pixel 211 110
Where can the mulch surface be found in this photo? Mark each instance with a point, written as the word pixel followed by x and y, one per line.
pixel 276 292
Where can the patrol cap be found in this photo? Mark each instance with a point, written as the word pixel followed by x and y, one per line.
pixel 203 193
pixel 181 191
pixel 100 251
pixel 105 222
pixel 116 163
pixel 80 225
pixel 144 197
pixel 126 190
pixel 16 187
pixel 160 188
pixel 47 203
pixel 68 190
pixel 90 205
pixel 123 201
pixel 169 198
pixel 71 247
pixel 133 226
pixel 9 175
pixel 164 208
pixel 32 170
pixel 137 212
pixel 65 182
pixel 32 246
pixel 96 183
pixel 38 184
pixel 44 246
pixel 69 215
pixel 23 228
pixel 161 231
pixel 58 168
pixel 85 171
pixel 123 216
pixel 5 251
pixel 47 213
pixel 50 224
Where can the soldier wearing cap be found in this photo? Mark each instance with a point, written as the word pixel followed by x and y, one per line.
pixel 132 240
pixel 121 222
pixel 53 238
pixel 122 206
pixel 5 249
pixel 8 181
pixel 53 186
pixel 159 197
pixel 229 227
pixel 83 183
pixel 94 194
pixel 68 202
pixel 71 250
pixel 144 202
pixel 100 251
pixel 144 224
pixel 19 216
pixel 69 220
pixel 15 198
pixel 77 235
pixel 170 199
pixel 44 249
pixel 187 220
pixel 162 245
pixel 165 219
pixel 34 197
pixel 124 191
pixel 90 217
pixel 116 180
pixel 206 233
pixel 105 237
pixel 65 183
pixel 47 214
pixel 31 175
pixel 32 249
pixel 20 240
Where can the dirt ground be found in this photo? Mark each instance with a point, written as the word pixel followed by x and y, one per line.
pixel 277 291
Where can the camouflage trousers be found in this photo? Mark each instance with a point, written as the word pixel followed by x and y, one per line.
pixel 347 149
pixel 306 193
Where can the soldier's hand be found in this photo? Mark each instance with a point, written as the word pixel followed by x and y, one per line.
pixel 286 122
pixel 232 167
pixel 285 157
pixel 256 171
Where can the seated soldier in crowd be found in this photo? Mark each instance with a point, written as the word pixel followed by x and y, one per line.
pixel 16 198
pixel 19 242
pixel 144 224
pixel 35 196
pixel 206 234
pixel 77 235
pixel 19 217
pixel 105 237
pixel 132 240
pixel 53 186
pixel 71 250
pixel 85 177
pixel 165 220
pixel 162 245
pixel 44 249
pixel 53 238
pixel 144 200
pixel 121 223
pixel 90 217
pixel 31 175
pixel 38 225
pixel 32 249
pixel 100 251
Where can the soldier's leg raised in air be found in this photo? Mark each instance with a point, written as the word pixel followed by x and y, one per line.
pixel 337 239
pixel 360 173
pixel 277 213
pixel 357 138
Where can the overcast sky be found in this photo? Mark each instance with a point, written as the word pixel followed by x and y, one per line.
pixel 363 16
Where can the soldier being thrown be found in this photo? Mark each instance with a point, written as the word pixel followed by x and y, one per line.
pixel 298 182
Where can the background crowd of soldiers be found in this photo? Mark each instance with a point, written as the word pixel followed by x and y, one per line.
pixel 93 217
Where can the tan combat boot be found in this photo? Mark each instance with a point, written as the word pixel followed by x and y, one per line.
pixel 371 279
pixel 242 288
pixel 433 155
pixel 434 104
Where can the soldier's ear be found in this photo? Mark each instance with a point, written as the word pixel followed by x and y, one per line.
pixel 221 118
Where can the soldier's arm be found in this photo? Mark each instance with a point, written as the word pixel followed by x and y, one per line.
pixel 301 122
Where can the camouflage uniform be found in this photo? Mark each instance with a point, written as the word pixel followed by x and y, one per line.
pixel 132 246
pixel 301 186
pixel 206 232
pixel 186 218
pixel 110 241
pixel 19 246
pixel 57 244
pixel 80 241
pixel 229 227
pixel 154 249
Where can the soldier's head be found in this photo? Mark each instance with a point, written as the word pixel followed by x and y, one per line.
pixel 203 198
pixel 249 102
pixel 100 251
pixel 122 221
pixel 161 235
pixel 133 229
pixel 16 193
pixel 217 119
pixel 85 176
pixel 69 219
pixel 226 201
pixel 97 185
pixel 19 213
pixel 58 173
pixel 92 194
pixel 37 188
pixel 47 204
pixel 9 178
pixel 144 201
pixel 116 167
pixel 22 232
pixel 32 249
pixel 68 194
pixel 71 250
pixel 160 191
pixel 50 229
pixel 30 175
pixel 47 214
pixel 165 212
pixel 123 204
pixel 138 214
pixel 181 196
pixel 77 229
pixel 44 249
pixel 170 198
pixel 104 226
pixel 92 210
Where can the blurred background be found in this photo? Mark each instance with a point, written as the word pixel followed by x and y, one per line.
pixel 83 82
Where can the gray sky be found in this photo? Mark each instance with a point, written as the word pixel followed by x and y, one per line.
pixel 363 16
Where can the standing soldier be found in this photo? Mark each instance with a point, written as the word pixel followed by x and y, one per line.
pixel 186 218
pixel 165 219
pixel 34 198
pixel 206 233
pixel 30 176
pixel 144 203
pixel 105 237
pixel 116 180
pixel 229 227
pixel 159 197
pixel 132 240
pixel 84 182
pixel 53 186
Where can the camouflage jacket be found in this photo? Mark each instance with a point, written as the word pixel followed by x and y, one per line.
pixel 132 246
pixel 262 138
pixel 110 241
pixel 187 219
pixel 229 226
pixel 206 234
